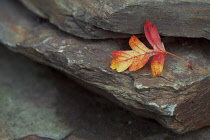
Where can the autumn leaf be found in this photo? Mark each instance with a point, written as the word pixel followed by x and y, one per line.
pixel 139 55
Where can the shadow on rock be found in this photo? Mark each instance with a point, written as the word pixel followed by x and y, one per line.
pixel 94 117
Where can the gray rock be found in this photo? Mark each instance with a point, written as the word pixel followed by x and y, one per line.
pixel 43 103
pixel 29 99
pixel 65 109
pixel 179 99
pixel 95 19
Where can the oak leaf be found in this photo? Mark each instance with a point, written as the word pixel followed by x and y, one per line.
pixel 139 55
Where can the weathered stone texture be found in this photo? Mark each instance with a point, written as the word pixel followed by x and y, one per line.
pixel 179 99
pixel 120 18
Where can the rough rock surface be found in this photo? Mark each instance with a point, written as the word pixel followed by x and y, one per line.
pixel 64 110
pixel 38 100
pixel 179 99
pixel 118 18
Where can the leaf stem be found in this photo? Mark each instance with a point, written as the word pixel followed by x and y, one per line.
pixel 181 59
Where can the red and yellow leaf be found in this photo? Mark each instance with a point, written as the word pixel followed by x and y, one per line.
pixel 153 36
pixel 138 46
pixel 139 55
pixel 157 63
pixel 136 64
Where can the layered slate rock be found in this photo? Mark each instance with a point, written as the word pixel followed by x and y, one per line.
pixel 118 18
pixel 179 99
